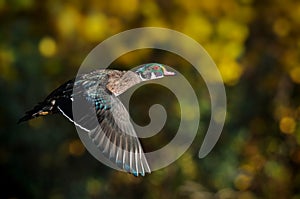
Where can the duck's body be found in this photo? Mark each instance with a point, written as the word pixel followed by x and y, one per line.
pixel 111 129
pixel 99 83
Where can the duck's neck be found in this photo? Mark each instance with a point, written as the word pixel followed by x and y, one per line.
pixel 120 81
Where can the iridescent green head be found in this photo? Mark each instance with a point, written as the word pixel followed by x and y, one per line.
pixel 152 71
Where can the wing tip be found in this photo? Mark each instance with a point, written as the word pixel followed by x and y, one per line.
pixel 137 174
pixel 130 170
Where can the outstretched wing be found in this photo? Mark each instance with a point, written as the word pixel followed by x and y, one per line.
pixel 116 137
pixel 107 122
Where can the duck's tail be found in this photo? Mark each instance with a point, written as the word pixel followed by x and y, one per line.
pixel 41 109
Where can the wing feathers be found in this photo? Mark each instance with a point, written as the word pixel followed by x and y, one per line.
pixel 114 134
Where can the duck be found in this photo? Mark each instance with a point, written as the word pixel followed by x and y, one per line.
pixel 102 114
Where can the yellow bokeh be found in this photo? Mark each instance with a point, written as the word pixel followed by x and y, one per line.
pixel 47 47
pixel 243 182
pixel 231 72
pixel 94 27
pixel 231 29
pixel 248 168
pixel 281 27
pixel 295 74
pixel 76 148
pixel 233 50
pixel 287 125
pixel 213 48
pixel 67 20
pixel 124 8
pixel 197 27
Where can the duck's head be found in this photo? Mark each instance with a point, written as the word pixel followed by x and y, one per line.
pixel 152 71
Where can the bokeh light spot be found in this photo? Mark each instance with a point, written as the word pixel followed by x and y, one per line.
pixel 230 71
pixel 67 20
pixel 281 27
pixel 76 148
pixel 198 27
pixel 287 125
pixel 94 27
pixel 295 75
pixel 47 47
pixel 242 182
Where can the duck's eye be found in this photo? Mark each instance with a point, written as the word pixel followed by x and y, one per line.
pixel 156 67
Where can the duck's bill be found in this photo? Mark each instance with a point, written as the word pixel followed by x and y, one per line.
pixel 169 73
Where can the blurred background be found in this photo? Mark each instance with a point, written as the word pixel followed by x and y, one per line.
pixel 256 46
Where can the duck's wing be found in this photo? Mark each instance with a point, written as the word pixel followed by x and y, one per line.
pixel 116 137
pixel 107 122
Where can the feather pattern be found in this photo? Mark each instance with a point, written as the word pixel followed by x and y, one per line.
pixel 101 113
pixel 114 136
pixel 111 131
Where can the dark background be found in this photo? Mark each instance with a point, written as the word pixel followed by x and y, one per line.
pixel 255 44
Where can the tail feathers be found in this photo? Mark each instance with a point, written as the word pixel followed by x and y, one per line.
pixel 39 110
